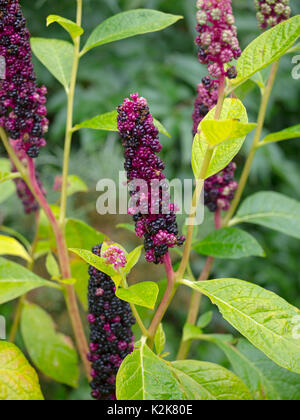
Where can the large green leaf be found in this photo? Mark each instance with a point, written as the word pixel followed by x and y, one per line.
pixel 108 122
pixel 81 235
pixel 70 26
pixel 18 380
pixel 50 351
pixel 265 379
pixel 144 376
pixel 272 210
pixel 264 318
pixel 16 280
pixel 287 134
pixel 233 109
pixel 10 246
pixel 128 24
pixel 207 381
pixel 217 132
pixel 267 48
pixel 229 243
pixel 56 55
pixel 142 294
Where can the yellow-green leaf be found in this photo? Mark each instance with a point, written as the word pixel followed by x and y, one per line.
pixel 216 132
pixel 70 26
pixel 18 380
pixel 142 294
pixel 10 246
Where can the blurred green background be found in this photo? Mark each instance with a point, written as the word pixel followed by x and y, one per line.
pixel 162 67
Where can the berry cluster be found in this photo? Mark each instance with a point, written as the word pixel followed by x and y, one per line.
pixel 206 100
pixel 217 40
pixel 220 189
pixel 272 12
pixel 111 337
pixel 22 103
pixel 153 213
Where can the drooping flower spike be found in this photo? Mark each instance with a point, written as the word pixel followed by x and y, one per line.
pixel 271 12
pixel 156 223
pixel 22 103
pixel 111 338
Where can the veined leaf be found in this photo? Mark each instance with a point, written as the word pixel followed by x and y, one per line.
pixel 108 122
pixel 287 134
pixel 144 376
pixel 81 235
pixel 265 379
pixel 264 318
pixel 95 261
pixel 233 109
pixel 133 258
pixel 16 280
pixel 70 26
pixel 217 132
pixel 208 382
pixel 50 351
pixel 142 294
pixel 10 246
pixel 57 57
pixel 18 380
pixel 272 210
pixel 229 243
pixel 267 48
pixel 128 24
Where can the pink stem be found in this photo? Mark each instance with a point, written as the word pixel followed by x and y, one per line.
pixel 218 219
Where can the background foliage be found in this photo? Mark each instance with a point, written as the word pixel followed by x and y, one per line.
pixel 162 67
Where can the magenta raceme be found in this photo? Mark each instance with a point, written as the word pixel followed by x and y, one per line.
pixel 139 136
pixel 22 103
pixel 111 338
pixel 271 12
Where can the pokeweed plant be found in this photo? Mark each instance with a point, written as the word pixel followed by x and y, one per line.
pixel 117 365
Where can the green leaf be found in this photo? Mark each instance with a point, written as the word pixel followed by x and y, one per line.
pixel 272 210
pixel 17 235
pixel 108 122
pixel 10 246
pixel 81 235
pixel 80 273
pixel 16 280
pixel 224 153
pixel 144 376
pixel 208 382
pixel 8 188
pixel 267 48
pixel 128 24
pixel 205 319
pixel 18 380
pixel 191 332
pixel 126 226
pixel 265 379
pixel 229 243
pixel 57 57
pixel 76 185
pixel 217 132
pixel 141 294
pixel 42 249
pixel 52 266
pixel 264 318
pixel 95 261
pixel 50 351
pixel 70 26
pixel 287 134
pixel 160 339
pixel 133 258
